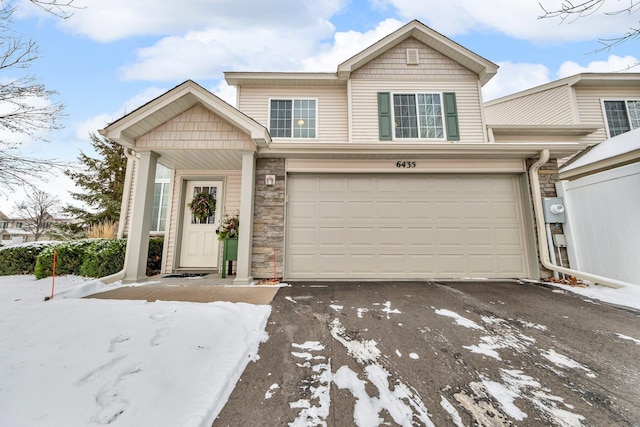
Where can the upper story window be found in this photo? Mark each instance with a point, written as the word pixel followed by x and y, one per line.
pixel 418 115
pixel 622 116
pixel 293 118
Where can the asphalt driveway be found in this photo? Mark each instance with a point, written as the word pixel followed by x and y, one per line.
pixel 430 353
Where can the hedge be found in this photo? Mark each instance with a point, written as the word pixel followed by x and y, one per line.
pixel 20 259
pixel 88 258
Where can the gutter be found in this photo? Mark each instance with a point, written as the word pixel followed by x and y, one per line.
pixel 542 236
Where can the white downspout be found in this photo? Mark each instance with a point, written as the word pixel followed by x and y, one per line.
pixel 542 236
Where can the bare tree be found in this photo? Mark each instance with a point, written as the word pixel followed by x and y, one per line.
pixel 25 106
pixel 37 211
pixel 570 11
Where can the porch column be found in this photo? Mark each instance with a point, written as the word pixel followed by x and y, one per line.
pixel 140 221
pixel 245 234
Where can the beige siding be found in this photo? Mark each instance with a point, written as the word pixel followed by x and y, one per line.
pixel 365 106
pixel 550 107
pixel 231 204
pixel 392 65
pixel 195 129
pixel 589 102
pixel 332 107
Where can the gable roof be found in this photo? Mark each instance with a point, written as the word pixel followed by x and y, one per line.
pixel 581 80
pixel 617 151
pixel 484 68
pixel 416 29
pixel 173 103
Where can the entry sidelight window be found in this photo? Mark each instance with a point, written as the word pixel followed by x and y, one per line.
pixel 293 118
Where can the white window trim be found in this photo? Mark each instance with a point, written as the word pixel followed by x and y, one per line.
pixel 292 99
pixel 421 140
pixel 166 184
pixel 604 111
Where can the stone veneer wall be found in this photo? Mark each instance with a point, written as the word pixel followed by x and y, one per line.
pixel 268 219
pixel 548 176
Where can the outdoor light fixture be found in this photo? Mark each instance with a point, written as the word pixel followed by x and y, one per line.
pixel 270 180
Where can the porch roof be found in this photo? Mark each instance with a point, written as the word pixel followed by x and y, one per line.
pixel 160 110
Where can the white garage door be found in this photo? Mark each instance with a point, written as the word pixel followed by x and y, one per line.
pixel 404 226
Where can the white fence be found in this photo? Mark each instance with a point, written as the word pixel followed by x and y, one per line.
pixel 603 223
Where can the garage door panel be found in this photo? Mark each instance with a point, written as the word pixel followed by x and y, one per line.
pixel 510 264
pixel 509 237
pixel 480 237
pixel 391 237
pixel 420 237
pixel 331 210
pixel 450 237
pixel 360 210
pixel 362 237
pixel 412 225
pixel 452 265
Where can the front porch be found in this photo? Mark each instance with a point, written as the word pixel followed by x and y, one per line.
pixel 207 143
pixel 200 289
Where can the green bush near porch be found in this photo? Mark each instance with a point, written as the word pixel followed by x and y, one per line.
pixel 20 259
pixel 88 258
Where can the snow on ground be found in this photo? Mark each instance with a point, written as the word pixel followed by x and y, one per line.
pixel 70 361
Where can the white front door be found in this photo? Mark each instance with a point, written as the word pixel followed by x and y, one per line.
pixel 200 244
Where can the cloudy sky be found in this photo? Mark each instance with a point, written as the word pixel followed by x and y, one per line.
pixel 111 56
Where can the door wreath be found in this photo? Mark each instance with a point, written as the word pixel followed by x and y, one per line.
pixel 202 206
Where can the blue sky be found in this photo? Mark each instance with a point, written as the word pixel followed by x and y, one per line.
pixel 112 56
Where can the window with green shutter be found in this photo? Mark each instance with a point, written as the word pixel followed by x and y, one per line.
pixel 418 116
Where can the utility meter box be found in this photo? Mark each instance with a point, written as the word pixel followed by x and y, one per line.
pixel 554 210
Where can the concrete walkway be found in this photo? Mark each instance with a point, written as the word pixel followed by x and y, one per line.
pixel 209 288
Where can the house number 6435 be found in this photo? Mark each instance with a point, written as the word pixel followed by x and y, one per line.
pixel 405 165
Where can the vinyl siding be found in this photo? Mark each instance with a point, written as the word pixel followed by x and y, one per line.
pixel 231 204
pixel 365 108
pixel 392 65
pixel 332 108
pixel 550 107
pixel 198 129
pixel 589 102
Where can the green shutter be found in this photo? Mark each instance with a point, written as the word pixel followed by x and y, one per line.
pixel 384 116
pixel 451 116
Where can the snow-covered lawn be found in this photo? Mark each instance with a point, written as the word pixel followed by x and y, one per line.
pixel 71 362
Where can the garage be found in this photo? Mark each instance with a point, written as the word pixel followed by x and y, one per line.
pixel 378 226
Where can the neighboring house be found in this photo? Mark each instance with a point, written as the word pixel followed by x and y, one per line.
pixel 384 169
pixel 601 191
pixel 587 108
pixel 14 231
pixel 602 229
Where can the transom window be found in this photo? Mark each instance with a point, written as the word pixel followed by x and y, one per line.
pixel 418 115
pixel 622 116
pixel 293 118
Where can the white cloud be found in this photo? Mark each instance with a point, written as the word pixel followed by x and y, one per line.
pixel 519 19
pixel 611 65
pixel 346 44
pixel 109 20
pixel 225 92
pixel 513 78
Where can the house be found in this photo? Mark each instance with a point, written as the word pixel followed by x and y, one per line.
pixel 14 231
pixel 586 108
pixel 601 190
pixel 383 169
pixel 600 184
